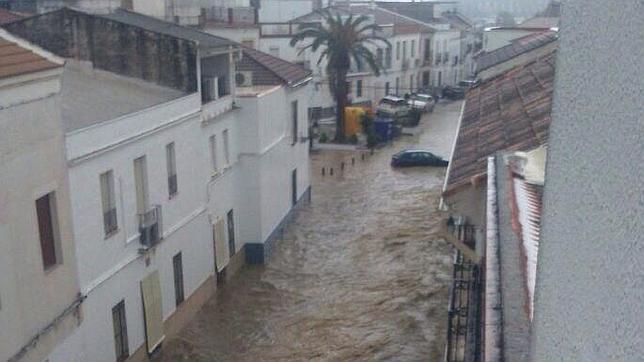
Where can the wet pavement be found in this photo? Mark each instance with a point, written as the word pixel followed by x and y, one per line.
pixel 358 276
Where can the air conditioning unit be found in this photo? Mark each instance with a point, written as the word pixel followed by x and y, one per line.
pixel 149 235
pixel 244 78
pixel 150 227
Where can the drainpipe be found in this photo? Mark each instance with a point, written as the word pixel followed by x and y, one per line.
pixel 493 349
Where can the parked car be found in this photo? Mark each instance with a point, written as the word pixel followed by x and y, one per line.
pixel 393 106
pixel 421 102
pixel 468 83
pixel 417 158
pixel 451 92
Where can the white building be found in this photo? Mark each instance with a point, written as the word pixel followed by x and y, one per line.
pixel 39 290
pixel 176 180
pixel 404 63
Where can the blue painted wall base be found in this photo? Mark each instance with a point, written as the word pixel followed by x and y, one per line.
pixel 259 253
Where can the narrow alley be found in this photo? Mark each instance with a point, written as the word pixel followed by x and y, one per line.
pixel 358 275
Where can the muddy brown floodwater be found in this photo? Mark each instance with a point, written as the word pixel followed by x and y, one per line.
pixel 358 276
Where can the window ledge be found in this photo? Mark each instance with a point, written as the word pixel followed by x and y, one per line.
pixel 111 233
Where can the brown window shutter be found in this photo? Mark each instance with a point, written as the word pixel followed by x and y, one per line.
pixel 46 230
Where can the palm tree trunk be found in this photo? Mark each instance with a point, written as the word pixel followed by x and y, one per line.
pixel 340 102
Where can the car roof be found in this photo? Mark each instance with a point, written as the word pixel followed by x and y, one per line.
pixel 393 98
pixel 415 150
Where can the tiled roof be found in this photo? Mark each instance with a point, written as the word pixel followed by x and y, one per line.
pixel 287 72
pixel 516 47
pixel 205 40
pixel 17 60
pixel 508 112
pixel 7 16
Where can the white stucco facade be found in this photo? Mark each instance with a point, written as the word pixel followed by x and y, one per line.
pixel 251 176
pixel 38 296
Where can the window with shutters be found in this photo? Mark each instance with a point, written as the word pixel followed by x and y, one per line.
pixel 120 331
pixel 48 230
pixel 231 232
pixel 293 123
pixel 171 165
pixel 359 88
pixel 177 265
pixel 213 153
pixel 226 148
pixel 108 200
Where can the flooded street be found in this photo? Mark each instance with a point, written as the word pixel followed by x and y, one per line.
pixel 359 274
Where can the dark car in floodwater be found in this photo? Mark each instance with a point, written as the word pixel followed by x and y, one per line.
pixel 417 158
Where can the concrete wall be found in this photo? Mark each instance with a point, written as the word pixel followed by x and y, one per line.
pixel 123 49
pixel 111 267
pixel 32 164
pixel 590 281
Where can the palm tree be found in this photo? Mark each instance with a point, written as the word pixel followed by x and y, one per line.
pixel 344 41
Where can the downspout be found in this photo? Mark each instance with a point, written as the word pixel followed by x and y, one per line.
pixel 493 316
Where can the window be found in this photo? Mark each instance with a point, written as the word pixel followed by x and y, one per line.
pixel 440 74
pixel 425 79
pixel 209 89
pixel 141 184
pixel 213 152
pixel 294 187
pixel 387 88
pixel 388 58
pixel 108 201
pixel 359 88
pixel 127 4
pixel 379 58
pixel 226 148
pixel 397 85
pixel 404 49
pixel 413 48
pixel 231 232
pixel 427 50
pixel 48 230
pixel 120 331
pixel 171 164
pixel 177 266
pixel 397 50
pixel 411 83
pixel 293 122
pixel 274 51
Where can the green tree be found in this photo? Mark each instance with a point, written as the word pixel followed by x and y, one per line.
pixel 342 40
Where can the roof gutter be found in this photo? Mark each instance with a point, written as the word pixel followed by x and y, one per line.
pixel 300 82
pixel 442 205
pixel 493 316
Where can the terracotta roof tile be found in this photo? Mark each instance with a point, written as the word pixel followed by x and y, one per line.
pixel 17 60
pixel 288 72
pixel 508 112
pixel 516 47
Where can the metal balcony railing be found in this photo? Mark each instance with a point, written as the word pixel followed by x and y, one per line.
pixel 150 226
pixel 172 184
pixel 109 221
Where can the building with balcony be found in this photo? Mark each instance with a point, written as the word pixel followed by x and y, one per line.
pixel 176 179
pixel 39 287
pixel 452 41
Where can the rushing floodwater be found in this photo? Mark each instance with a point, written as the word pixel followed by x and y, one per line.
pixel 359 274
